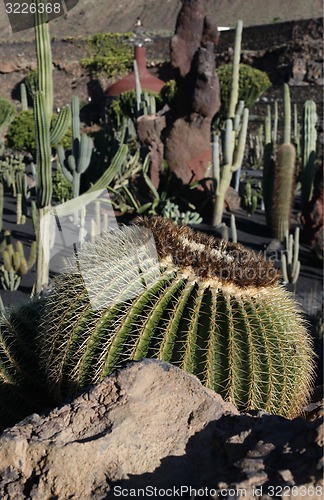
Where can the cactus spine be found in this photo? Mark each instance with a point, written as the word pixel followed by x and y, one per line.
pixel 212 308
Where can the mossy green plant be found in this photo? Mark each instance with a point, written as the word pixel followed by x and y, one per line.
pixel 212 308
pixel 252 84
pixel 109 54
pixel 21 133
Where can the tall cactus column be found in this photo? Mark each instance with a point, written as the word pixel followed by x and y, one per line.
pixel 82 146
pixel 45 136
pixel 43 109
pixel 308 150
pixel 233 137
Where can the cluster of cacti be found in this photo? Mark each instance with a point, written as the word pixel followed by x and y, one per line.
pixel 212 308
pixel 231 153
pixel 290 264
pixel 256 148
pixel 22 195
pixel 11 166
pixel 228 156
pixel 145 101
pixel 279 171
pixel 171 211
pixel 75 164
pixel 15 264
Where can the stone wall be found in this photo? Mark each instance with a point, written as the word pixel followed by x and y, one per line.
pixel 290 52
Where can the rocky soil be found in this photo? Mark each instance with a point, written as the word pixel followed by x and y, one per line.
pixel 151 424
pixel 95 16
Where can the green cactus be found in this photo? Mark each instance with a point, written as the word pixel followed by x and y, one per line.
pixel 23 97
pixel 279 171
pixel 75 164
pixel 233 146
pixel 145 101
pixel 308 151
pixel 235 70
pixel 283 190
pixel 250 199
pixel 233 137
pixel 289 258
pixel 1 206
pixel 287 115
pixel 15 260
pixel 212 308
pixel 20 386
pixel 43 111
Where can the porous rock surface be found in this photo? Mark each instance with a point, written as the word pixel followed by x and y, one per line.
pixel 152 424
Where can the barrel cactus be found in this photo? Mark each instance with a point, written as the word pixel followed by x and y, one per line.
pixel 212 308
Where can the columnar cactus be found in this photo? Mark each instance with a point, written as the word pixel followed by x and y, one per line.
pixel 279 171
pixel 289 258
pixel 23 97
pixel 82 146
pixel 43 110
pixel 214 309
pixel 283 190
pixel 233 137
pixel 308 150
pixel 45 137
pixel 233 146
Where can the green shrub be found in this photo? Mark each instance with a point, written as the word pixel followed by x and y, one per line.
pixel 252 84
pixel 21 133
pixel 7 111
pixel 125 105
pixel 110 54
pixel 168 93
pixel 62 188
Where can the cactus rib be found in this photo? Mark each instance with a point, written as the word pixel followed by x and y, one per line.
pixel 242 335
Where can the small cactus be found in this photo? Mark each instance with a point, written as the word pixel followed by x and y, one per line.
pixel 289 258
pixel 15 264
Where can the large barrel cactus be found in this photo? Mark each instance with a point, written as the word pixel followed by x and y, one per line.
pixel 212 308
